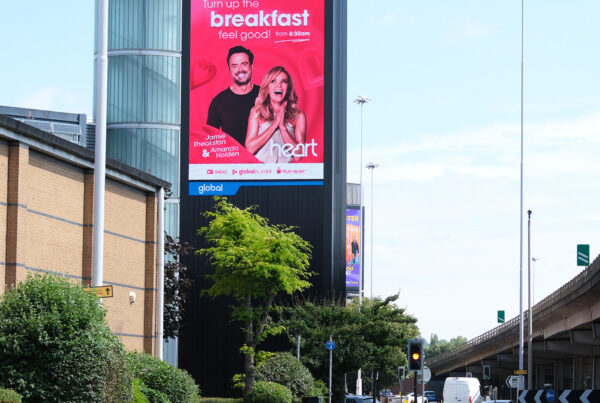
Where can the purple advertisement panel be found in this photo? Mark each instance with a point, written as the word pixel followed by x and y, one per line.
pixel 353 248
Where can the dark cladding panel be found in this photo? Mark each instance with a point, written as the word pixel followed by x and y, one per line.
pixel 210 342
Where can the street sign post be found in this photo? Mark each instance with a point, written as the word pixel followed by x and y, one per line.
pixel 512 381
pixel 401 377
pixel 583 255
pixel 423 376
pixel 106 291
pixel 330 345
pixel 520 372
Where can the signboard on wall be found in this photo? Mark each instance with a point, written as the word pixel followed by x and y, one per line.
pixel 256 101
pixel 353 248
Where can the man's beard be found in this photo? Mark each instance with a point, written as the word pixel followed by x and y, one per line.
pixel 246 81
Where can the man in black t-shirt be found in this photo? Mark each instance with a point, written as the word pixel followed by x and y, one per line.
pixel 229 110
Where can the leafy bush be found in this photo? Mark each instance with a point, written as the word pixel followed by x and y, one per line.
pixel 55 344
pixel 151 395
pixel 286 370
pixel 118 380
pixel 269 392
pixel 9 396
pixel 138 395
pixel 176 384
pixel 319 389
pixel 220 400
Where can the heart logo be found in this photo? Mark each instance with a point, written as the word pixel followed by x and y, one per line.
pixel 203 71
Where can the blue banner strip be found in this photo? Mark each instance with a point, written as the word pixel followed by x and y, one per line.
pixel 231 188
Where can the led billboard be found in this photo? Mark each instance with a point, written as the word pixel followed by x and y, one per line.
pixel 353 248
pixel 256 101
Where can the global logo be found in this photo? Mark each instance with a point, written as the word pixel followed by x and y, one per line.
pixel 210 188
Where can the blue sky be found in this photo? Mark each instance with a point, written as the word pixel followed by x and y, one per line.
pixel 444 125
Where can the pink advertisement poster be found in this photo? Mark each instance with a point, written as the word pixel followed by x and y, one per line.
pixel 256 90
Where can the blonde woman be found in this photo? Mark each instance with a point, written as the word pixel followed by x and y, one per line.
pixel 276 125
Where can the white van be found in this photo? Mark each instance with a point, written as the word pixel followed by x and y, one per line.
pixel 462 390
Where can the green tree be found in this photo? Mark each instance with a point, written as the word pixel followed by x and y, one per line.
pixel 56 346
pixel 177 285
pixel 254 261
pixel 372 337
pixel 437 346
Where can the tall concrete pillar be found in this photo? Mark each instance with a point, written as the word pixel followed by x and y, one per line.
pixel 559 375
pixel 577 372
pixel 596 373
pixel 540 377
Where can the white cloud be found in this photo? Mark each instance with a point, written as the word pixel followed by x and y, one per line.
pixel 472 28
pixel 446 216
pixel 477 29
pixel 385 19
pixel 552 148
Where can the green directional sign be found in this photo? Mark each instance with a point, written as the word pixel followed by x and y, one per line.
pixel 583 255
pixel 500 316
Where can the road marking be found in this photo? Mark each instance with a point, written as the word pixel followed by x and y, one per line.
pixel 584 396
pixel 522 397
pixel 563 396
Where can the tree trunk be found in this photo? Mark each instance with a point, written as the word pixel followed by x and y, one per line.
pixel 249 356
pixel 251 340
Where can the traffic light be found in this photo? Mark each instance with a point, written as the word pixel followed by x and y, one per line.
pixel 401 373
pixel 486 372
pixel 415 354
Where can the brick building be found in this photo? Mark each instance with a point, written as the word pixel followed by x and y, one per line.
pixel 46 224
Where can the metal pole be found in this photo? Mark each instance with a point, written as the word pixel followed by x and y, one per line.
pixel 372 226
pixel 361 100
pixel 416 399
pixel 330 366
pixel 100 152
pixel 521 211
pixel 530 313
pixel 372 167
pixel 534 260
pixel 298 348
pixel 361 237
pixel 161 273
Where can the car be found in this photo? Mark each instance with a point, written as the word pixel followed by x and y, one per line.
pixel 410 398
pixel 431 396
pixel 461 389
pixel 360 399
pixel 386 393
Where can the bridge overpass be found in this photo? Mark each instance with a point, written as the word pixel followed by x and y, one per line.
pixel 565 347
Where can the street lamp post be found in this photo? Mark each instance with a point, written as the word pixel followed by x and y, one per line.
pixel 372 167
pixel 533 259
pixel 361 100
pixel 521 380
pixel 529 312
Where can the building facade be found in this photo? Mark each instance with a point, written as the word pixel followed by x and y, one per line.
pixel 144 97
pixel 46 225
pixel 144 84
